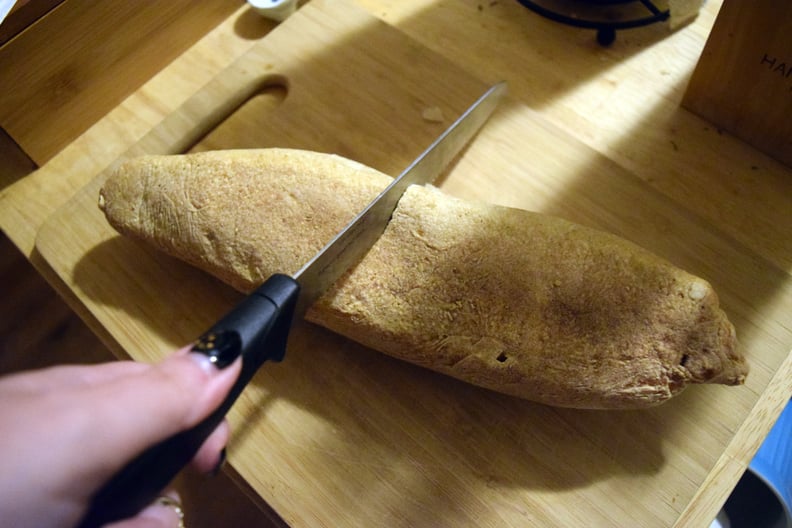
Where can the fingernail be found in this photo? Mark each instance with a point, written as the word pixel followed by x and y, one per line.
pixel 220 463
pixel 167 510
pixel 222 348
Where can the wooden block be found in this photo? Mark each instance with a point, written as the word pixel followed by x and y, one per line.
pixel 22 15
pixel 743 81
pixel 16 163
pixel 80 60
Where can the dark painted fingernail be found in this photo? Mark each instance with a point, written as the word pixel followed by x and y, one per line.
pixel 222 348
pixel 220 463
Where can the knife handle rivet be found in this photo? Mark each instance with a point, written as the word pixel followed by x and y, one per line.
pixel 222 347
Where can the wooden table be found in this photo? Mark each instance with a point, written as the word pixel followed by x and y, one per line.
pixel 621 104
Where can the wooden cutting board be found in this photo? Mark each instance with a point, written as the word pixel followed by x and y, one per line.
pixel 339 435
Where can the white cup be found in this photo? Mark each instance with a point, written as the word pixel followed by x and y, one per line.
pixel 278 10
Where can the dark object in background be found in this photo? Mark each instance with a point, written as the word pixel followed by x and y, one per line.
pixel 606 16
pixel 753 504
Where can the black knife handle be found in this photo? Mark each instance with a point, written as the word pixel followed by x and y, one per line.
pixel 260 326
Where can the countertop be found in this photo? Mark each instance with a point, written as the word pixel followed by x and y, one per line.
pixel 622 102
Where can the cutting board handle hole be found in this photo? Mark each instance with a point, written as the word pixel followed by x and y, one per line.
pixel 243 116
pixel 274 87
pixel 268 94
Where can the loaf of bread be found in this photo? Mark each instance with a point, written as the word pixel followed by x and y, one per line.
pixel 518 302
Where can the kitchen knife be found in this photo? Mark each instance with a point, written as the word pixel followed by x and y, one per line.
pixel 258 326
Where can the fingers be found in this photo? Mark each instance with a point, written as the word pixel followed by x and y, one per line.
pixel 69 376
pixel 142 409
pixel 165 512
pixel 211 456
pixel 103 416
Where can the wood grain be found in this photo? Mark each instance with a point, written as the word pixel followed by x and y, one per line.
pixel 743 81
pixel 74 65
pixel 339 435
pixel 623 102
pixel 24 13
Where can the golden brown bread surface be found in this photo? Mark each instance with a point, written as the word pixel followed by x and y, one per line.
pixel 518 302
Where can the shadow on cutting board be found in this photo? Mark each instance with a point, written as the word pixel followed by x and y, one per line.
pixel 508 448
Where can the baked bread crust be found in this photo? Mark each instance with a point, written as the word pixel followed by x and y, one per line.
pixel 518 302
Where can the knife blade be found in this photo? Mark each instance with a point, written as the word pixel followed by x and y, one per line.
pixel 351 244
pixel 258 327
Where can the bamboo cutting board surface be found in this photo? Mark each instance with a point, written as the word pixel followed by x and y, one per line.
pixel 338 435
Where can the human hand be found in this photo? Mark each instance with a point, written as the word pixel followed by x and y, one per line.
pixel 69 429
